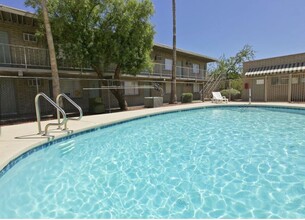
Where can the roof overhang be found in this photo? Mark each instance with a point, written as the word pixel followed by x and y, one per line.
pixel 16 11
pixel 278 69
pixel 186 53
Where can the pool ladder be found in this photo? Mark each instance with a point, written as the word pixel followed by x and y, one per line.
pixel 59 110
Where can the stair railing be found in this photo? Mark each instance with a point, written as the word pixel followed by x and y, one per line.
pixel 38 116
pixel 63 95
pixel 210 85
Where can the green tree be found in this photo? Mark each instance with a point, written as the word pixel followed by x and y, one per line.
pixel 173 97
pixel 232 67
pixel 100 34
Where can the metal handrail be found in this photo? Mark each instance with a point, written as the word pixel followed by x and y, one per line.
pixel 215 82
pixel 74 104
pixel 210 85
pixel 37 108
pixel 205 88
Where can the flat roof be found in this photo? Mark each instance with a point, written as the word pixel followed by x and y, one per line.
pixel 185 52
pixel 277 57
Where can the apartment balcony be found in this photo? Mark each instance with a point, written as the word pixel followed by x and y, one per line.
pixel 13 57
pixel 163 71
pixel 20 57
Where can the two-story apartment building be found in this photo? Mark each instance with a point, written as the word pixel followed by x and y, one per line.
pixel 25 69
pixel 275 79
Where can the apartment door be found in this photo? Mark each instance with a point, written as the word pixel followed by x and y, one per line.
pixel 7 97
pixel 5 54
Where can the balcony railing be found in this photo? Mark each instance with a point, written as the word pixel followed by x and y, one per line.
pixel 38 58
pixel 163 71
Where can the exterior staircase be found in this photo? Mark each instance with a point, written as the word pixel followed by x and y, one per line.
pixel 210 86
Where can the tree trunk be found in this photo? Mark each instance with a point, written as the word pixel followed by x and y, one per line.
pixel 119 93
pixel 55 77
pixel 173 98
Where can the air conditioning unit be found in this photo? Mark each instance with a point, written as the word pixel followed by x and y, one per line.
pixel 158 58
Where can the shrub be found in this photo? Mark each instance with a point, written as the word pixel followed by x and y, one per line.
pixel 235 94
pixel 237 84
pixel 187 97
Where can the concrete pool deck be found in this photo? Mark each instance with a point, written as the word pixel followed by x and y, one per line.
pixel 17 139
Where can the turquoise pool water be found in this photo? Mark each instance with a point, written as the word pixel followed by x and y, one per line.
pixel 227 162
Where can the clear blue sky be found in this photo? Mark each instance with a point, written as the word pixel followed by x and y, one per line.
pixel 216 27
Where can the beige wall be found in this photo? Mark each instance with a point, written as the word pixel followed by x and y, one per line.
pixel 183 59
pixel 15 33
pixel 277 87
pixel 274 61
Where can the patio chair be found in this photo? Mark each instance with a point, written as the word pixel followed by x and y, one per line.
pixel 217 98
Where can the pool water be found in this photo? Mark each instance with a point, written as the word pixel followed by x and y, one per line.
pixel 231 162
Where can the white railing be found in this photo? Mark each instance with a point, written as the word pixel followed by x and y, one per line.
pixel 31 57
pixel 161 70
pixel 23 56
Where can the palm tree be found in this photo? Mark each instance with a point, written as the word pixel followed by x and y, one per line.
pixel 55 77
pixel 173 98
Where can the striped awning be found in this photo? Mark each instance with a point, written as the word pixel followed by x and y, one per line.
pixel 278 69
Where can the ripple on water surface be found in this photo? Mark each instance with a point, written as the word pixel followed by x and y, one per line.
pixel 208 163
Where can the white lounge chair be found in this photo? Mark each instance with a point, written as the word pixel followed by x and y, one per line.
pixel 217 98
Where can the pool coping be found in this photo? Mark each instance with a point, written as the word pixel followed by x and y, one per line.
pixel 13 150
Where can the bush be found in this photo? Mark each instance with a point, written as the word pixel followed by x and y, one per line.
pixel 235 94
pixel 237 84
pixel 187 97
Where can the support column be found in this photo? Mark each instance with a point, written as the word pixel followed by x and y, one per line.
pixel 266 88
pixel 289 87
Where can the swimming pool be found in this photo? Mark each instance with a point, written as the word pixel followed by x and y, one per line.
pixel 226 162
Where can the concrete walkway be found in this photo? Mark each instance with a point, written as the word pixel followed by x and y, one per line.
pixel 17 139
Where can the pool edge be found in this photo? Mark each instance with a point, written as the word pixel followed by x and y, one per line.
pixel 15 158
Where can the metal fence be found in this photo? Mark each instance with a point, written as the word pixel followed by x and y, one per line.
pixel 93 95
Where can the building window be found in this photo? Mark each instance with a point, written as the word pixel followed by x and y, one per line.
pixel 274 80
pixel 71 88
pixel 260 82
pixel 34 82
pixel 195 68
pixel 158 58
pixel 29 37
pixel 131 88
pixel 168 64
pixel 284 81
pixel 295 80
pixel 196 87
pixel 302 80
